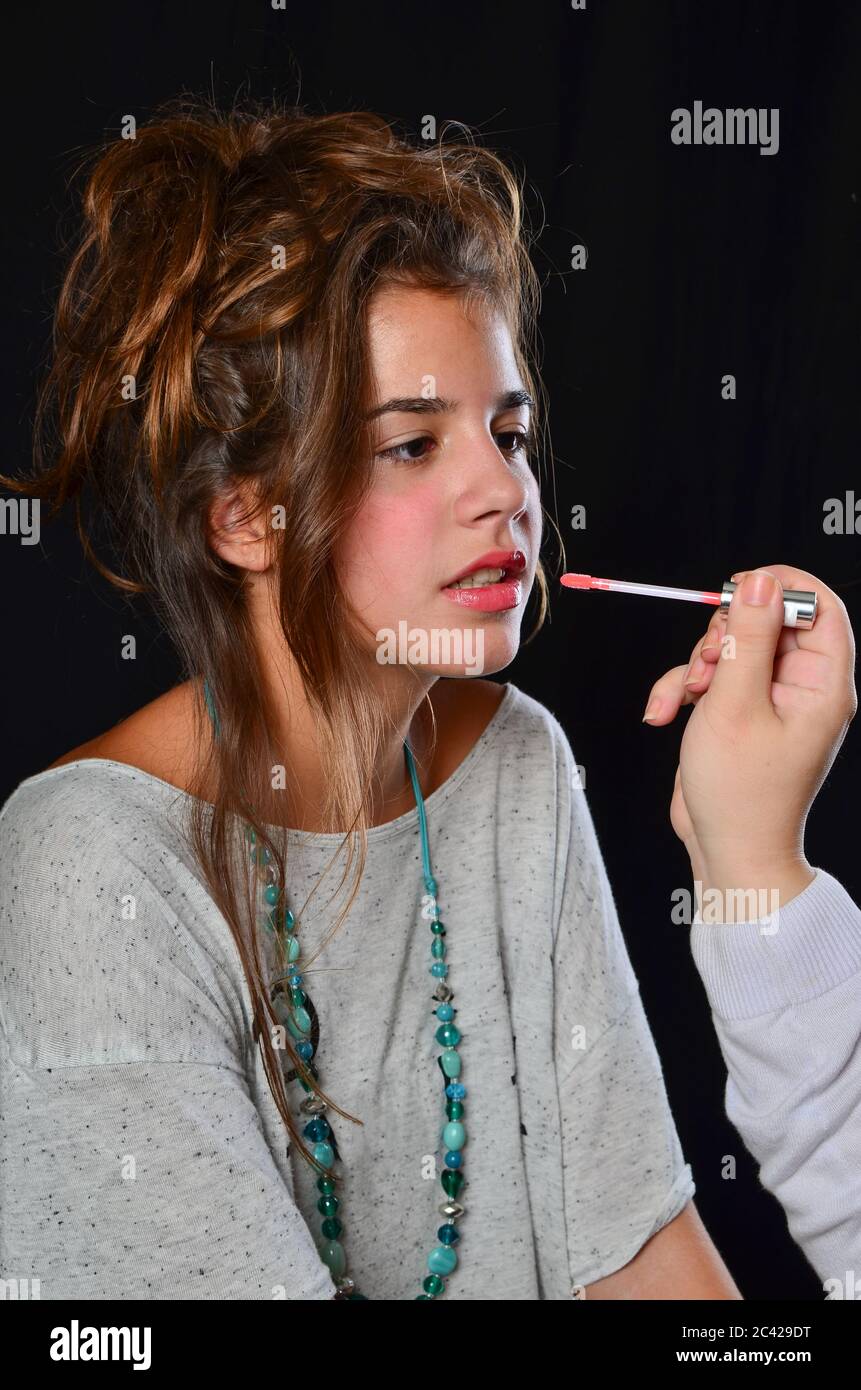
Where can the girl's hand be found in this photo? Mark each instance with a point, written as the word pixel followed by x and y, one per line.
pixel 772 706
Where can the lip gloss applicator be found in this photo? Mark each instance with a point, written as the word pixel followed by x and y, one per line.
pixel 799 605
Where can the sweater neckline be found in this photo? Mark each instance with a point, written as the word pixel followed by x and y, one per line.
pixel 408 821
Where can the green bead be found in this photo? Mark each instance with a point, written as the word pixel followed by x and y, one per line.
pixel 293 948
pixel 438 928
pixel 302 1082
pixel 448 1034
pixel 332 1254
pixel 328 1205
pixel 452 1183
pixel 433 1284
pixel 326 1184
pixel 438 948
pixel 331 1227
pixel 299 1023
pixel 454 1135
pixel 451 1062
pixel 454 1109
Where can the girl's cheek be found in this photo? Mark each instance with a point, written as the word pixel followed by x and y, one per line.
pixel 394 539
pixel 402 532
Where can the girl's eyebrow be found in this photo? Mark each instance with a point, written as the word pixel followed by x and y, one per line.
pixel 438 405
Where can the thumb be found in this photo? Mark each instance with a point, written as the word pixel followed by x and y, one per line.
pixel 742 682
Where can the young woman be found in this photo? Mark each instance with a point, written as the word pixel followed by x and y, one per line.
pixel 293 371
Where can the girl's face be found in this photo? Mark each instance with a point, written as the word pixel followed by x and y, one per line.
pixel 452 484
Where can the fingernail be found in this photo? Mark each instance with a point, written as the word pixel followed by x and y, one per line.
pixel 653 709
pixel 757 588
pixel 695 671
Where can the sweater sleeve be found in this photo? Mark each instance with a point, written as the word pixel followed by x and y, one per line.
pixel 785 995
pixel 134 1163
pixel 624 1172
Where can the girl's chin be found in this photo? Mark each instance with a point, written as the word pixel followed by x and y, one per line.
pixel 459 650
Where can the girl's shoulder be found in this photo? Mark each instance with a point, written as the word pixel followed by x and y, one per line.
pixel 150 739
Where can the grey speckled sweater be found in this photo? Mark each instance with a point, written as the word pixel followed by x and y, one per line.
pixel 141 1154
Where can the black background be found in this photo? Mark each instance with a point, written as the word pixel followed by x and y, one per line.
pixel 703 261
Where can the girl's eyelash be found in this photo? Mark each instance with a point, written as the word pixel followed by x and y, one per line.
pixel 525 446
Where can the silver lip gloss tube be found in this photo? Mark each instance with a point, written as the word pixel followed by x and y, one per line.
pixel 799 605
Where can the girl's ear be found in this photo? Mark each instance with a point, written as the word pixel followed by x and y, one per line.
pixel 237 533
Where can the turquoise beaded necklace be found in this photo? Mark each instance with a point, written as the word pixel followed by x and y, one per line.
pixel 294 1007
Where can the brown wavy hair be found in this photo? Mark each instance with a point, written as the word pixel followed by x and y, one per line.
pixel 211 329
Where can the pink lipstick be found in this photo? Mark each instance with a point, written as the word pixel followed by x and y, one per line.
pixel 496 595
pixel 799 605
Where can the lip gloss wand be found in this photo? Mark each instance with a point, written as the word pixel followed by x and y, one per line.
pixel 799 605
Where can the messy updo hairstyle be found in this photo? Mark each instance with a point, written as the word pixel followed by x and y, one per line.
pixel 210 331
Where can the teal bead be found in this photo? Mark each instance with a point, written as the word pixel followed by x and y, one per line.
pixel 452 1182
pixel 451 1062
pixel 444 1013
pixel 454 1135
pixel 289 920
pixel 328 1205
pixel 442 1260
pixel 324 1153
pixel 433 1285
pixel 438 928
pixel 271 894
pixel 448 1035
pixel 317 1129
pixel 299 1022
pixel 332 1254
pixel 293 948
pixel 439 969
pixel 438 948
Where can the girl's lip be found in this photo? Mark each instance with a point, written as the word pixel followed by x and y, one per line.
pixel 489 598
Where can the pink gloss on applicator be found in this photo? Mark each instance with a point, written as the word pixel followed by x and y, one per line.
pixel 799 605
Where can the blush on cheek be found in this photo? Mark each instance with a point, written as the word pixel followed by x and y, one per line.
pixel 386 561
pixel 392 539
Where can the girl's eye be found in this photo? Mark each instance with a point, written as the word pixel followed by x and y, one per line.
pixel 523 442
pixel 395 451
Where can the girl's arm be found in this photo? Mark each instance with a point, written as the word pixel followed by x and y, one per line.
pixel 679 1262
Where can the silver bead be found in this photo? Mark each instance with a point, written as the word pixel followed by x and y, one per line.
pixel 451 1210
pixel 345 1283
pixel 313 1105
pixel 443 992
